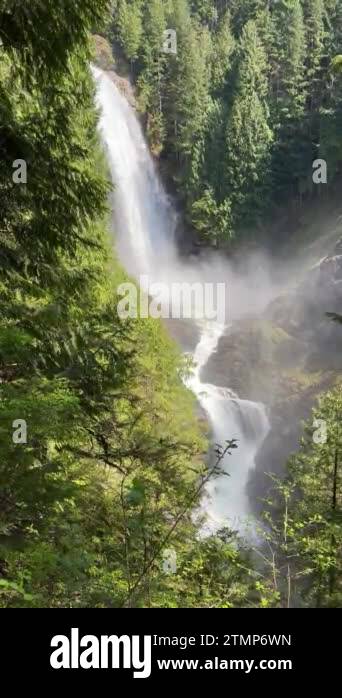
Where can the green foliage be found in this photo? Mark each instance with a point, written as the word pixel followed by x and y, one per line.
pixel 251 140
pixel 152 77
pixel 213 221
pixel 305 527
pixel 43 35
pixel 249 136
pixel 113 464
pixel 130 27
pixel 336 64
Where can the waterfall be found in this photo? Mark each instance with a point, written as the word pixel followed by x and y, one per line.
pixel 145 220
pixel 145 224
pixel 230 418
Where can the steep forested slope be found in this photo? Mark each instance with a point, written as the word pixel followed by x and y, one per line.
pixel 243 108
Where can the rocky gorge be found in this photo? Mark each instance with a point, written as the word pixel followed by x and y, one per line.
pixel 285 357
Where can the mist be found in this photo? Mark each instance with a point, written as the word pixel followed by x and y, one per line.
pixel 145 223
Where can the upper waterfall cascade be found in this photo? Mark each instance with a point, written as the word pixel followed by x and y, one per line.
pixel 145 224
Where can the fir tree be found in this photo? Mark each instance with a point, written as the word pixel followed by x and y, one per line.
pixel 249 135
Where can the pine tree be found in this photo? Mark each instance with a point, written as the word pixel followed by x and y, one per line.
pixel 248 135
pixel 187 96
pixel 130 27
pixel 305 525
pixel 292 152
pixel 151 79
pixel 223 48
pixel 331 111
pixel 314 12
pixel 291 86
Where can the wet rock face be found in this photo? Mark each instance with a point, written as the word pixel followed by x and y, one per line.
pixel 124 86
pixel 243 346
pixel 303 312
pixel 103 52
pixel 186 334
pixel 104 59
pixel 319 293
pixel 285 358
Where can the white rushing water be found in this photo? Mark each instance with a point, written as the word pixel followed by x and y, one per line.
pixel 145 223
